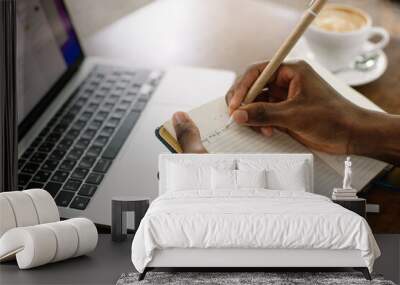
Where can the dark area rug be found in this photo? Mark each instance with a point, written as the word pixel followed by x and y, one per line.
pixel 243 278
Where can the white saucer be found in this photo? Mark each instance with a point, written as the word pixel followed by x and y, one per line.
pixel 351 77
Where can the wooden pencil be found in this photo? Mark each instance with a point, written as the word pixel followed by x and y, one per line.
pixel 314 9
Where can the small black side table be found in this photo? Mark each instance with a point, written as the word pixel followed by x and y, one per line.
pixel 121 205
pixel 358 205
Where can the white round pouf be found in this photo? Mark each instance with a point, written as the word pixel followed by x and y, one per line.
pixel 67 240
pixel 31 232
pixel 23 208
pixel 46 208
pixel 33 246
pixel 87 235
pixel 7 218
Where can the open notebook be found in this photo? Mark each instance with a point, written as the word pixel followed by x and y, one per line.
pixel 211 119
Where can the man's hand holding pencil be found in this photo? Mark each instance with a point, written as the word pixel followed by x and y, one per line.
pixel 295 99
pixel 298 101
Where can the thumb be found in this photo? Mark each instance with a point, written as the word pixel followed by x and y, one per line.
pixel 263 114
pixel 187 134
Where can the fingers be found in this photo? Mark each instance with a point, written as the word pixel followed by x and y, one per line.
pixel 187 134
pixel 239 90
pixel 267 131
pixel 285 84
pixel 263 114
pixel 284 75
pixel 290 77
pixel 273 94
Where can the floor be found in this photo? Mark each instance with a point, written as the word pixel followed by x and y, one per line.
pixel 102 266
pixel 389 262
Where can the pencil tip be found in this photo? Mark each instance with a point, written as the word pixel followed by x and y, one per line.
pixel 230 122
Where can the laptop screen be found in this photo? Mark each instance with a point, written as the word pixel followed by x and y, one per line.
pixel 47 50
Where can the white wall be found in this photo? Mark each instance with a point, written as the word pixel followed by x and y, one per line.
pixel 90 16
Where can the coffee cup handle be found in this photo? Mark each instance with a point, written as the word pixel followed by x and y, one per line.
pixel 383 42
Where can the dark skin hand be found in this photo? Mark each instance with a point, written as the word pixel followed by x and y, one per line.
pixel 299 102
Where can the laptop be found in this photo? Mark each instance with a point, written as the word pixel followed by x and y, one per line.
pixel 86 125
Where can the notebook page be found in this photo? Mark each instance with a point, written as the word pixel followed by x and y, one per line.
pixel 211 120
pixel 325 178
pixel 237 139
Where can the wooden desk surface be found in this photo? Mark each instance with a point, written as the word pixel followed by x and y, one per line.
pixel 231 34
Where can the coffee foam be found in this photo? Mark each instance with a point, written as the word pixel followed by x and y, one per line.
pixel 340 19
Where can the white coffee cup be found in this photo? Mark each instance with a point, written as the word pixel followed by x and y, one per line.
pixel 337 44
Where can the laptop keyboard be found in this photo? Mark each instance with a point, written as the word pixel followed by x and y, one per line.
pixel 71 155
